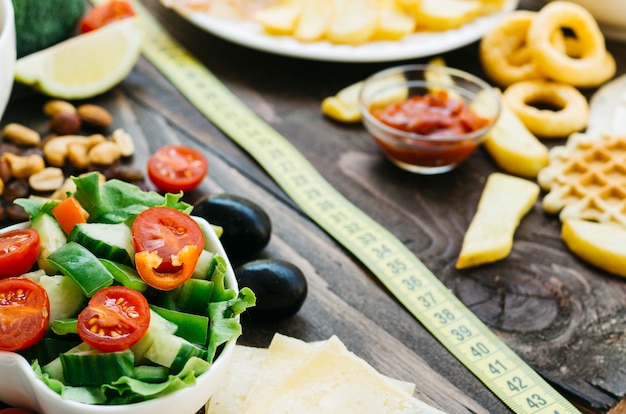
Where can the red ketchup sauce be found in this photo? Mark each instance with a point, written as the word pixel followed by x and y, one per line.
pixel 435 115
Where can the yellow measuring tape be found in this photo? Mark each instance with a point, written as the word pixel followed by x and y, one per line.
pixel 419 290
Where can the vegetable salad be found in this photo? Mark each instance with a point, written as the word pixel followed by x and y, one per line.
pixel 127 303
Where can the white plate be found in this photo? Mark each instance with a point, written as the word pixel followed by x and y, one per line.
pixel 20 387
pixel 250 34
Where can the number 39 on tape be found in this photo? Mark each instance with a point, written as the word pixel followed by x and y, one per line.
pixel 406 277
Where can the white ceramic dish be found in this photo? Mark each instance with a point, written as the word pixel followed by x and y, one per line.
pixel 250 34
pixel 21 388
pixel 7 52
pixel 610 15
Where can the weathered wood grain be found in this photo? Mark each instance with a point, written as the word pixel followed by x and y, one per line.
pixel 562 316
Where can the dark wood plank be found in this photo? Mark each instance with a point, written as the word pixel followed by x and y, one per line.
pixel 542 301
pixel 562 316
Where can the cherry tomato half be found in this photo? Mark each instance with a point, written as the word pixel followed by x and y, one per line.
pixel 104 14
pixel 115 318
pixel 168 244
pixel 24 313
pixel 19 250
pixel 15 411
pixel 175 168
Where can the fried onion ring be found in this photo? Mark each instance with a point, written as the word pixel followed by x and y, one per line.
pixel 594 66
pixel 504 53
pixel 571 108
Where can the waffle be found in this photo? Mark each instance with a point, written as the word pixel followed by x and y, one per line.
pixel 586 179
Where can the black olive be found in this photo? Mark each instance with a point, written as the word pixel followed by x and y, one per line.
pixel 247 227
pixel 280 288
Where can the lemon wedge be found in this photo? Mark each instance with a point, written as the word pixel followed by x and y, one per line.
pixel 85 65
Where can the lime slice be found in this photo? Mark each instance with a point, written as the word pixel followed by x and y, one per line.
pixel 85 65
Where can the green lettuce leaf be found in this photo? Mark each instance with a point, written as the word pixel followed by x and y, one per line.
pixel 116 201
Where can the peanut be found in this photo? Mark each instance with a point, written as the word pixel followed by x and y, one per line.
pixel 48 179
pixel 57 106
pixel 94 115
pixel 77 152
pixel 55 150
pixel 124 141
pixel 24 167
pixel 61 193
pixel 21 135
pixel 105 153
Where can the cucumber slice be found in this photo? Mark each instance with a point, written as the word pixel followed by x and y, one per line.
pixel 164 348
pixel 47 349
pixel 172 351
pixel 65 295
pixel 51 239
pixel 93 367
pixel 107 241
pixel 185 353
pixel 55 368
pixel 204 266
pixel 158 326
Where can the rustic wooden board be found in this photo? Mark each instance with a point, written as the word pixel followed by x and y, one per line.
pixel 564 317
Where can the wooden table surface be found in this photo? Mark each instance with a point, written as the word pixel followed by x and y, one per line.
pixel 565 318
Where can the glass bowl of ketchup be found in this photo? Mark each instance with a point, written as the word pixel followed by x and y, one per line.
pixel 427 119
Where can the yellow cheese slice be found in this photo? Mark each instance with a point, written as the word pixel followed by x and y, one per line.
pixel 259 375
pixel 334 380
pixel 231 395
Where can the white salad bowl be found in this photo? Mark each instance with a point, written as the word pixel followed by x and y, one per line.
pixel 20 387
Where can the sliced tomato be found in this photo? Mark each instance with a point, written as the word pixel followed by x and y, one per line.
pixel 19 250
pixel 15 411
pixel 175 168
pixel 24 313
pixel 69 213
pixel 168 244
pixel 115 318
pixel 104 14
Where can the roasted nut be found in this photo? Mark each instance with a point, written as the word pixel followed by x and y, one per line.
pixel 94 115
pixel 57 106
pixel 48 179
pixel 15 189
pixel 65 123
pixel 124 141
pixel 104 153
pixel 16 213
pixel 24 167
pixel 61 193
pixel 5 170
pixel 55 150
pixel 77 152
pixel 21 135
